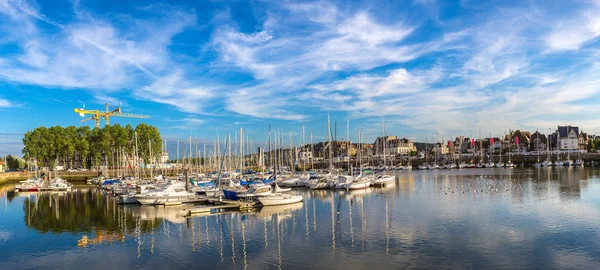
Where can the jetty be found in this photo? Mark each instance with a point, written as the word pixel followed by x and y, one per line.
pixel 216 204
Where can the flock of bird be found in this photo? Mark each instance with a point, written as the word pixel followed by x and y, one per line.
pixel 486 184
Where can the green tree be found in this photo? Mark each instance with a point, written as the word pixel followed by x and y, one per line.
pixel 94 147
pixel 148 136
pixel 82 145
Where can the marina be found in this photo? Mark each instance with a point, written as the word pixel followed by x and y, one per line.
pixel 501 218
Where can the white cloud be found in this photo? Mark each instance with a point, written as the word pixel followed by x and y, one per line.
pixel 571 34
pixel 5 103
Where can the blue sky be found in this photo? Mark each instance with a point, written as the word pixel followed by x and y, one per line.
pixel 198 67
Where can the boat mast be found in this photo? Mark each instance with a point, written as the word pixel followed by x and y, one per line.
pixel 136 156
pixel 348 144
pixel 312 150
pixel 150 161
pixel 384 140
pixel 329 138
pixel 303 150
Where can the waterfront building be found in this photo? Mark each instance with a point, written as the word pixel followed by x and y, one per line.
pixel 394 145
pixel 583 141
pixel 440 149
pixel 538 141
pixel 305 155
pixel 520 140
pixel 567 138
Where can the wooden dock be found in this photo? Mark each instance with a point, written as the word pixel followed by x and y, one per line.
pixel 216 204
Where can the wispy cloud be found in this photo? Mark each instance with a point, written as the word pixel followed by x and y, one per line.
pixel 497 65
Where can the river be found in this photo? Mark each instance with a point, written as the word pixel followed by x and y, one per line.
pixel 547 218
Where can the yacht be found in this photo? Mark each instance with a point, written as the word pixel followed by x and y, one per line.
pixel 172 192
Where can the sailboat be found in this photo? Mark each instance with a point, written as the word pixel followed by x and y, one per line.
pixel 548 162
pixel 559 162
pixel 538 164
pixel 500 164
pixel 568 162
pixel 509 163
pixel 277 198
pixel 579 161
pixel 361 182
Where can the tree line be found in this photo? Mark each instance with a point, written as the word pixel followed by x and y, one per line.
pixel 90 147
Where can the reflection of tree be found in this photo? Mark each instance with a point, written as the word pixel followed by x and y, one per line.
pixel 80 211
pixel 11 195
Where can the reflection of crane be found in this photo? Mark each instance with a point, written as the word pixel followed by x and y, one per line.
pixel 101 237
pixel 96 114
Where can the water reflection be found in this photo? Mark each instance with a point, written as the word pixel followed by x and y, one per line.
pixel 84 211
pixel 519 218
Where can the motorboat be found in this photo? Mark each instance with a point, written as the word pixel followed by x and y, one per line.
pixel 29 185
pixel 174 191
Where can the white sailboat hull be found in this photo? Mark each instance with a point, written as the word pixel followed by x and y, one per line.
pixel 383 180
pixel 153 200
pixel 360 185
pixel 280 199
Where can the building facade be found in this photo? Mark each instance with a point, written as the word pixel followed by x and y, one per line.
pixel 567 138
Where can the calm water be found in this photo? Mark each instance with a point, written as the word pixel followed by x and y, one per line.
pixel 519 218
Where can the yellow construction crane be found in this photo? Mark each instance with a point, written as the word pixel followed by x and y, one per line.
pixel 96 114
